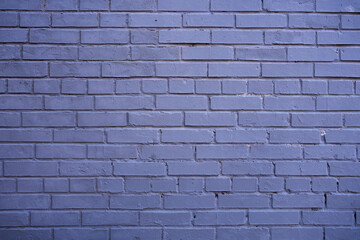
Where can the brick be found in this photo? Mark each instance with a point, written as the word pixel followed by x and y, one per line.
pixel 56 185
pixel 236 103
pixel 246 168
pixel 330 152
pixel 280 37
pixel 79 201
pixel 191 168
pixel 314 86
pixel 23 135
pixel 204 201
pixel 189 233
pixel 260 87
pixel 75 20
pixel 132 136
pixel 80 233
pixel 49 53
pixel 241 136
pixel 341 87
pixel 184 36
pixel 131 5
pixel 298 201
pixel 298 233
pixel 23 69
pixel 287 70
pixel 266 119
pixel 14 219
pixel 260 53
pixel 208 20
pixel 20 86
pixel 337 6
pixel 10 52
pixel 63 5
pixel 21 5
pixel 155 118
pixel 47 86
pixel 221 152
pixel 91 5
pixel 294 136
pixel 181 69
pixel 139 169
pixel 308 168
pixel 75 69
pixel 287 87
pixel 165 218
pixel 155 86
pixel 26 232
pixel 24 201
pixel 163 185
pixel 105 36
pixel 98 218
pixel 7 185
pixel 344 169
pixel 209 53
pixel 289 103
pixel 271 184
pixel 239 233
pixel 111 151
pixel 20 102
pixel 338 37
pixel 111 185
pixel 134 201
pixel 233 86
pixel 34 19
pixel 316 120
pixel 104 53
pixel 186 136
pixel 324 184
pixel 29 185
pixel 218 184
pixel 298 184
pixel 274 217
pixel 208 86
pixel 181 86
pixel 154 20
pixel 342 201
pixel 338 233
pixel 338 103
pixel 109 119
pixel 16 151
pixel 128 86
pixel 261 21
pixel 352 120
pixel 48 119
pixel 8 19
pixel 144 36
pixel 55 218
pixel 349 184
pixel 234 69
pixel 180 152
pixel 219 218
pixel 85 168
pixel 313 54
pixel 69 103
pixel 237 37
pixel 8 119
pixel 54 36
pixel 185 5
pixel 100 87
pixel 342 136
pixel 191 184
pixel 137 185
pixel 210 119
pixel 314 21
pixel 336 70
pixel 238 6
pixel 244 184
pixel 138 232
pixel 60 151
pixel 350 21
pixel 244 201
pixel 275 152
pixel 127 69
pixel 13 35
pixel 181 102
pixel 112 19
pixel 292 5
pixel 82 185
pixel 155 53
pixel 124 102
pixel 74 86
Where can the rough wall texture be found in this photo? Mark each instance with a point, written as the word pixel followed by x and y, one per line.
pixel 180 119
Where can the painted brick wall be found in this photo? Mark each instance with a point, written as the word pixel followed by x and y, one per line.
pixel 180 119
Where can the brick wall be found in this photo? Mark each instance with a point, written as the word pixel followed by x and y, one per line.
pixel 180 119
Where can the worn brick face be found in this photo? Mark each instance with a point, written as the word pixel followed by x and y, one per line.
pixel 179 119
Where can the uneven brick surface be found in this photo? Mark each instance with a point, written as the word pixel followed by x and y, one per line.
pixel 180 119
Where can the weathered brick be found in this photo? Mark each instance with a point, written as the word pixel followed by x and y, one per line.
pixel 237 36
pixel 208 20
